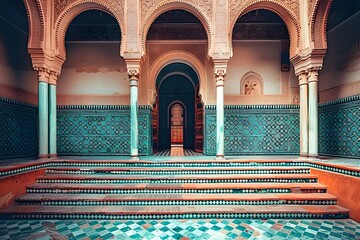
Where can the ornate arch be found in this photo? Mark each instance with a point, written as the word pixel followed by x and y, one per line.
pixel 36 10
pixel 177 57
pixel 73 9
pixel 319 13
pixel 286 14
pixel 251 84
pixel 179 4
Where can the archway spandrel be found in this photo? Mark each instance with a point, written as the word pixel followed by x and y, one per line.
pixel 115 7
pixel 237 6
pixel 152 9
pixel 76 7
pixel 318 16
pixel 36 19
pixel 44 6
pixel 148 7
pixel 282 8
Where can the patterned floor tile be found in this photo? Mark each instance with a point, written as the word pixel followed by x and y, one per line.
pixel 211 229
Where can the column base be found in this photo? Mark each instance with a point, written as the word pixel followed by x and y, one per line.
pixel 313 157
pixel 53 156
pixel 42 156
pixel 135 158
pixel 219 157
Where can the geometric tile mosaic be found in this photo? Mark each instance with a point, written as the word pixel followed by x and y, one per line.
pixel 339 127
pixel 255 130
pixel 211 229
pixel 18 128
pixel 101 130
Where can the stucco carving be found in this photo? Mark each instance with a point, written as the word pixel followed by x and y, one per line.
pixel 237 5
pixel 288 10
pixel 251 84
pixel 60 5
pixel 151 9
pixel 149 6
pixel 318 21
pixel 44 6
pixel 36 23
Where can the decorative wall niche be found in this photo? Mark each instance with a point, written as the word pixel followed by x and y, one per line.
pixel 251 84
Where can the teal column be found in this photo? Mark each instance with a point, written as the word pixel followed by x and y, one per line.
pixel 304 120
pixel 220 76
pixel 134 132
pixel 52 120
pixel 43 117
pixel 313 114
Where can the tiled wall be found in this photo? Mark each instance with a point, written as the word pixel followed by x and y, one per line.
pixel 255 130
pixel 18 129
pixel 339 126
pixel 101 130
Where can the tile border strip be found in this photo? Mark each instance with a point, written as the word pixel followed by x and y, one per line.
pixel 346 170
pixel 111 216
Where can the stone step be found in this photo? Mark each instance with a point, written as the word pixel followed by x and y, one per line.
pixel 177 199
pixel 177 188
pixel 228 178
pixel 174 212
pixel 178 163
pixel 180 171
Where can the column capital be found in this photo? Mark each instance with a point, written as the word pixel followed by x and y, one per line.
pixel 134 77
pixel 53 77
pixel 220 75
pixel 303 78
pixel 43 74
pixel 313 74
pixel 308 59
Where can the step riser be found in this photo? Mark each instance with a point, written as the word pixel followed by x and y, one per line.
pixel 175 203
pixel 177 216
pixel 178 172
pixel 171 181
pixel 189 164
pixel 155 191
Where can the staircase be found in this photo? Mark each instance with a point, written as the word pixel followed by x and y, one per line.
pixel 176 190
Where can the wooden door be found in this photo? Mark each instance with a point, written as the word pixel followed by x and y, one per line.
pixel 177 124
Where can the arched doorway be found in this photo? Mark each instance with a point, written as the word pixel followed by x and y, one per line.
pixel 178 109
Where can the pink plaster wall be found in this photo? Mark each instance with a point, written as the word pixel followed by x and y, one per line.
pixel 93 71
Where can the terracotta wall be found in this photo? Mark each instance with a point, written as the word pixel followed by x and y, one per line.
pixel 345 188
pixel 14 186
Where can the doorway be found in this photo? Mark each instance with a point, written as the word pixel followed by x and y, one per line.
pixel 178 110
